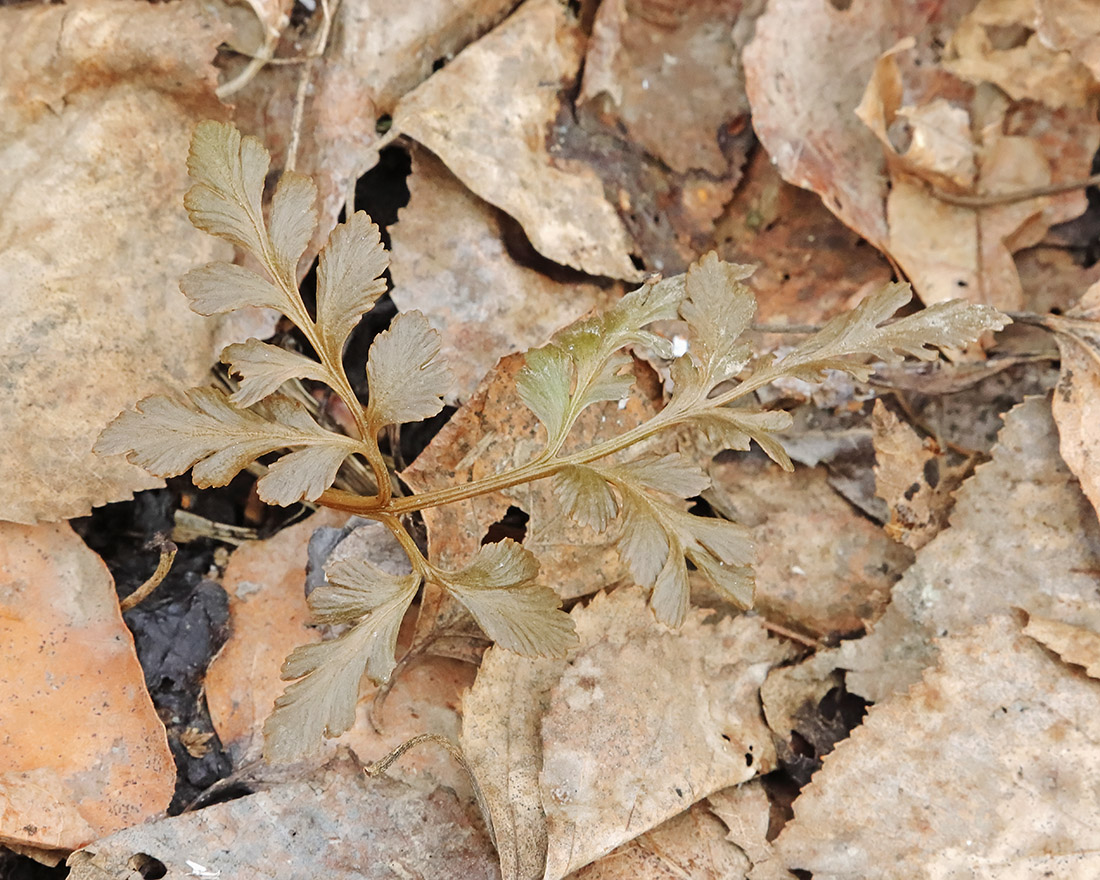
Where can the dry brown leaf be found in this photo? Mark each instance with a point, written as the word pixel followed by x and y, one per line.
pixel 268 618
pixel 1074 644
pixel 1076 402
pixel 1071 25
pixel 335 823
pixel 378 51
pixel 1028 68
pixel 451 261
pixel 1053 279
pixel 692 844
pixel 997 774
pixel 821 568
pixel 1022 535
pixel 913 478
pixel 672 76
pixel 647 720
pixel 948 250
pixel 810 266
pixel 746 812
pixel 494 431
pixel 82 752
pixel 98 103
pixel 604 772
pixel 501 720
pixel 924 117
pixel 487 115
pixel 828 150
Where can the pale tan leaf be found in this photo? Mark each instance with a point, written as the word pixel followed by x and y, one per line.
pixel 406 377
pixel 450 261
pixel 227 174
pixel 263 368
pixel 501 719
pixel 293 219
pixel 1074 644
pixel 1077 403
pixel 692 844
pixel 349 278
pixel 302 475
pixel 913 478
pixel 477 115
pixel 647 720
pixel 821 566
pixel 498 589
pixel 223 287
pixel 94 241
pixel 996 555
pixel 986 731
pixel 331 820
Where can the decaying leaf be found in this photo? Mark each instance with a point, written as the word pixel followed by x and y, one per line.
pixel 615 757
pixel 980 787
pixel 998 553
pixel 452 259
pixel 746 812
pixel 82 753
pixel 336 818
pixel 86 91
pixel 933 129
pixel 486 115
pixel 692 844
pixel 1078 394
pixel 672 77
pixel 821 568
pixel 647 720
pixel 501 720
pixel 1074 644
pixel 912 477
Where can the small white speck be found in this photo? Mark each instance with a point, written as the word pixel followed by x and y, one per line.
pixel 670 60
pixel 198 870
pixel 645 84
pixel 798 569
pixel 622 403
pixel 679 346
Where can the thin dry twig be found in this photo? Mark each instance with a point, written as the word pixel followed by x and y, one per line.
pixel 380 766
pixel 168 552
pixel 989 200
pixel 306 77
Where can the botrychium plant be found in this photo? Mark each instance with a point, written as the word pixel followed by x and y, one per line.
pixel 217 434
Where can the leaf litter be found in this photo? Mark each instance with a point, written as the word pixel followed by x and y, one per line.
pixel 1025 484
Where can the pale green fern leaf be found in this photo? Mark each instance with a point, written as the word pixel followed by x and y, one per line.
pixel 263 368
pixel 406 377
